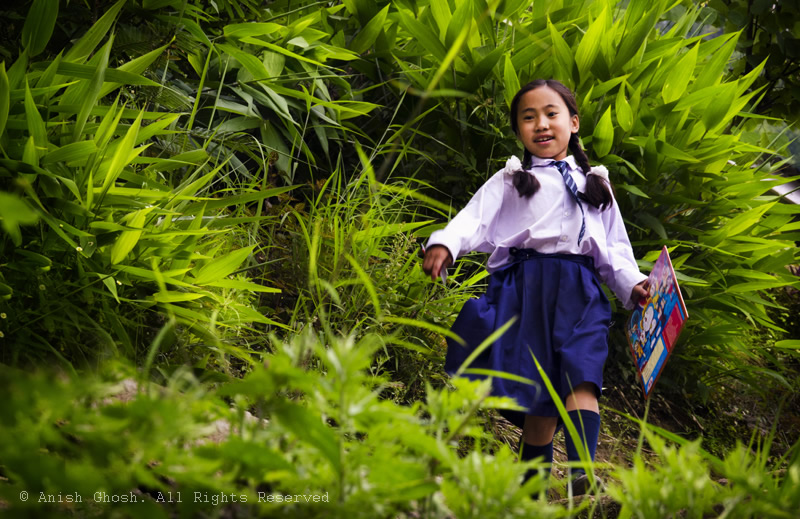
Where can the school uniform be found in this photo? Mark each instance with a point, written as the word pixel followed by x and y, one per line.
pixel 546 277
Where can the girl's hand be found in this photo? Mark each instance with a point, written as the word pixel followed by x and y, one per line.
pixel 640 291
pixel 436 258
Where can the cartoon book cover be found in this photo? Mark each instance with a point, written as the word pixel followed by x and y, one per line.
pixel 656 322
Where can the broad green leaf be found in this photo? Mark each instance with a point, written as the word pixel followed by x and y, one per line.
pixel 712 72
pixel 127 239
pixel 653 223
pixel 367 36
pixel 242 30
pixel 91 91
pixel 603 135
pixel 441 14
pixel 309 428
pixel 461 19
pixel 36 126
pixel 717 110
pixel 563 55
pixel 423 36
pixel 71 152
pixel 123 154
pixel 115 76
pixel 135 66
pixel 510 80
pixel 679 76
pixel 39 24
pixel 15 212
pixel 753 286
pixel 92 38
pixel 590 45
pixel 668 150
pixel 222 267
pixel 633 41
pixel 623 110
pixel 792 344
pixel 480 72
pixel 280 50
pixel 169 296
pixel 632 189
pixel 5 98
pixel 111 285
pixel 17 71
pixel 238 284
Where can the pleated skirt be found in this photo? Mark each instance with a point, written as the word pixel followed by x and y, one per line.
pixel 562 319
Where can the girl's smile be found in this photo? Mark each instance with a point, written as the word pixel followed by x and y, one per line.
pixel 545 123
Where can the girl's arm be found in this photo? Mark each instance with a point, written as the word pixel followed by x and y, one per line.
pixel 621 274
pixel 471 229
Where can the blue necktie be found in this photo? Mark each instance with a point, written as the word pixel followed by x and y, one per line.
pixel 563 168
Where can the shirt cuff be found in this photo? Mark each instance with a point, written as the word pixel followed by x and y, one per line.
pixel 626 280
pixel 439 237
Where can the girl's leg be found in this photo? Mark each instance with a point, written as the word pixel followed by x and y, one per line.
pixel 584 412
pixel 537 440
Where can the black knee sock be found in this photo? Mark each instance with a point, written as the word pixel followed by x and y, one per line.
pixel 530 452
pixel 588 425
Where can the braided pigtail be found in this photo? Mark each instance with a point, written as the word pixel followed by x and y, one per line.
pixel 598 190
pixel 526 183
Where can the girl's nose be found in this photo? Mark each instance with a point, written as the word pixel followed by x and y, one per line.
pixel 541 123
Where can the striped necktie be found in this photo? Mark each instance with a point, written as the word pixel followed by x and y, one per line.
pixel 563 168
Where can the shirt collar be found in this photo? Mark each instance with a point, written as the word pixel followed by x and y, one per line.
pixel 538 162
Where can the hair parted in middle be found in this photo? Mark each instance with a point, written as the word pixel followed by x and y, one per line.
pixel 598 191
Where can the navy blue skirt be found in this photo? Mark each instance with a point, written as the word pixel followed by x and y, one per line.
pixel 563 317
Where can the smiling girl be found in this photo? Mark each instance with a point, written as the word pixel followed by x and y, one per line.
pixel 554 233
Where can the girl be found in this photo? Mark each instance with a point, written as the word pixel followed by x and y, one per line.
pixel 553 231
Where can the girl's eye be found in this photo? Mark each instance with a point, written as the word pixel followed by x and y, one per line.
pixel 552 114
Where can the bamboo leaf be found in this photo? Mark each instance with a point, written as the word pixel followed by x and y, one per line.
pixel 562 53
pixel 89 41
pixel 367 36
pixel 590 44
pixel 115 76
pixel 243 30
pixel 623 110
pixel 5 98
pixel 711 72
pixel 603 136
pixel 423 36
pixel 15 212
pixel 510 80
pixel 134 67
pixel 679 76
pixel 36 126
pixel 71 152
pixel 717 110
pixel 441 14
pixel 221 267
pixel 39 24
pixel 123 154
pixel 633 41
pixel 238 284
pixel 128 239
pixel 461 19
pixel 92 91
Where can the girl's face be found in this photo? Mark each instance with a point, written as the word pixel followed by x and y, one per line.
pixel 545 124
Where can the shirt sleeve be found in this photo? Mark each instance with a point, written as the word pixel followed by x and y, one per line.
pixel 471 228
pixel 621 273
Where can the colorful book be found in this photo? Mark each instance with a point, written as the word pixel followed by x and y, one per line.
pixel 655 323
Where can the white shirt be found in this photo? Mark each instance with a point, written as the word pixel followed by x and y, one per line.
pixel 497 219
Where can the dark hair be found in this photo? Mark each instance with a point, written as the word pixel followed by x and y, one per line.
pixel 598 191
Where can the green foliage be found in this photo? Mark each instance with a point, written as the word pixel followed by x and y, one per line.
pixel 109 229
pixel 160 174
pixel 108 433
pixel 769 34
